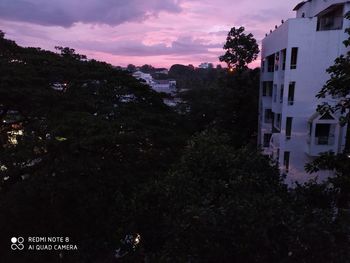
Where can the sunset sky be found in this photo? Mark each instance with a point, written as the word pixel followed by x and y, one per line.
pixel 156 32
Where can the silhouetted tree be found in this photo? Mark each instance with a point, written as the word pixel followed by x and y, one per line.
pixel 131 67
pixel 241 49
pixel 77 140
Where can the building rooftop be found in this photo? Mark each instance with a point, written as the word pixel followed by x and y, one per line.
pixel 298 6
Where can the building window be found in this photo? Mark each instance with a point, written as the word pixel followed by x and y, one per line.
pixel 268 116
pixel 278 121
pixel 294 58
pixel 267 137
pixel 323 134
pixel 284 58
pixel 286 158
pixel 274 93
pixel 289 128
pixel 310 128
pixel 263 65
pixel 281 93
pixel 291 91
pixel 331 18
pixel 271 63
pixel 277 58
pixel 267 88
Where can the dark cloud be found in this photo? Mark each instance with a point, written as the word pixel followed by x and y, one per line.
pixel 182 46
pixel 67 12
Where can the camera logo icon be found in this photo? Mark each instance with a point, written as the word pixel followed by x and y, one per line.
pixel 17 243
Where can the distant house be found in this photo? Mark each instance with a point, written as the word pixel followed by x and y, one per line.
pixel 206 65
pixel 162 71
pixel 145 76
pixel 167 86
pixel 295 57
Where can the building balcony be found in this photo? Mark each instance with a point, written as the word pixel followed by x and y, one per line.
pixel 325 140
pixel 330 23
pixel 277 125
pixel 323 134
pixel 275 141
pixel 276 106
pixel 274 146
pixel 321 144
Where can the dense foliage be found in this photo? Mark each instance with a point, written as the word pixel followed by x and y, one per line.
pixel 78 139
pixel 222 204
pixel 188 77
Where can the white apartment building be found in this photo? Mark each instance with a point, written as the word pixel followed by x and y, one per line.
pixel 166 86
pixel 145 76
pixel 295 56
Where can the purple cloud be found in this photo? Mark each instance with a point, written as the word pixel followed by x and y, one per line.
pixel 138 31
pixel 181 46
pixel 67 12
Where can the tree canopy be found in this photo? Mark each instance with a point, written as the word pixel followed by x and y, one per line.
pixel 78 138
pixel 241 49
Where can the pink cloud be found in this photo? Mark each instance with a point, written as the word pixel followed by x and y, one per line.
pixel 157 32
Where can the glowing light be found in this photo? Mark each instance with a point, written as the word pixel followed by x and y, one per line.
pixel 61 139
pixel 137 239
pixel 12 136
